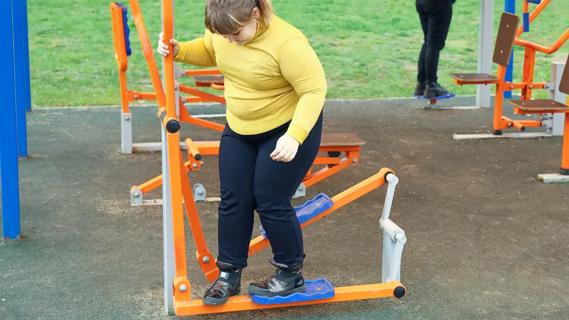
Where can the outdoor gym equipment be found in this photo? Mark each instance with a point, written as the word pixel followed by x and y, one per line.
pixel 338 151
pixel 206 78
pixel 177 195
pixel 551 106
pixel 508 35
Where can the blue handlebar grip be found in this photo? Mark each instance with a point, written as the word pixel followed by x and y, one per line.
pixel 526 22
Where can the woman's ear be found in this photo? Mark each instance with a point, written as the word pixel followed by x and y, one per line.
pixel 256 13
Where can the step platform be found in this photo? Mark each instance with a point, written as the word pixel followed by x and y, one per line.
pixel 434 100
pixel 309 209
pixel 316 289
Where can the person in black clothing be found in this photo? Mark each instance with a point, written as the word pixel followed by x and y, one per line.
pixel 435 16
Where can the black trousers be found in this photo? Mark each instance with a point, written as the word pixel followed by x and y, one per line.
pixel 435 22
pixel 250 180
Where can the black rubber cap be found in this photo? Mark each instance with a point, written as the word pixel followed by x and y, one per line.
pixel 173 126
pixel 523 129
pixel 399 292
pixel 564 172
pixel 198 157
pixel 497 132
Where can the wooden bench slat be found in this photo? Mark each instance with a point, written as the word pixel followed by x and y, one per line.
pixel 471 78
pixel 341 139
pixel 540 106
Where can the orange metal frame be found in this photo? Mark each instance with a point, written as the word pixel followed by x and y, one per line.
pixel 323 166
pixel 181 197
pixel 194 95
pixel 184 305
pixel 527 85
pixel 565 144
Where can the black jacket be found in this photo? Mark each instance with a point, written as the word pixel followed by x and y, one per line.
pixel 433 5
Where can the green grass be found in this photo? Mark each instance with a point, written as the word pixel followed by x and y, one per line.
pixel 368 48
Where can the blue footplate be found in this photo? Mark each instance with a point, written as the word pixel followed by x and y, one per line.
pixel 309 209
pixel 446 96
pixel 316 289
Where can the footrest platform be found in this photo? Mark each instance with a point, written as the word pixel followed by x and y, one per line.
pixel 446 96
pixel 316 289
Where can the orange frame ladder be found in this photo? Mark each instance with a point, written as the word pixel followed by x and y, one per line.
pixel 176 195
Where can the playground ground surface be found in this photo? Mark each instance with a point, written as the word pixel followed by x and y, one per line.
pixel 486 240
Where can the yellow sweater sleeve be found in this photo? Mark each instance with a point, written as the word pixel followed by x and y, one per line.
pixel 198 52
pixel 302 69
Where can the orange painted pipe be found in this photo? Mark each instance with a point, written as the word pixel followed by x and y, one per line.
pixel 120 54
pixel 498 123
pixel 244 303
pixel 181 284
pixel 148 52
pixel 203 95
pixel 325 173
pixel 538 9
pixel 193 150
pixel 518 125
pixel 528 44
pixel 521 85
pixel 340 200
pixel 547 50
pixel 205 259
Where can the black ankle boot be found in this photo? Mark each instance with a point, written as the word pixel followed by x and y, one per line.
pixel 286 280
pixel 420 89
pixel 226 285
pixel 434 90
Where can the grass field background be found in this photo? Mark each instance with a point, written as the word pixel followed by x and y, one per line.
pixel 368 48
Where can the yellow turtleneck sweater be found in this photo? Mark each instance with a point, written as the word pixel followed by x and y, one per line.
pixel 272 79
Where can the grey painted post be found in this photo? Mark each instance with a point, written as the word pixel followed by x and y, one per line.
pixel 557 68
pixel 485 46
pixel 168 235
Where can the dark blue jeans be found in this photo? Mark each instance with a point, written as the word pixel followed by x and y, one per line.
pixel 250 180
pixel 435 22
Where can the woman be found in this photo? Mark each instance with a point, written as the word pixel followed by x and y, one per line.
pixel 275 88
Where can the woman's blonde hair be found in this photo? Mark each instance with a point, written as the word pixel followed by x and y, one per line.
pixel 227 16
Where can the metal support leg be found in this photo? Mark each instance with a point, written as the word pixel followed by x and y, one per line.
pixel 394 238
pixel 9 172
pixel 558 118
pixel 167 230
pixel 126 132
pixel 485 46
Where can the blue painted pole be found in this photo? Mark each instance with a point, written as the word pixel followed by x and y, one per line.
pixel 22 67
pixel 8 136
pixel 510 7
